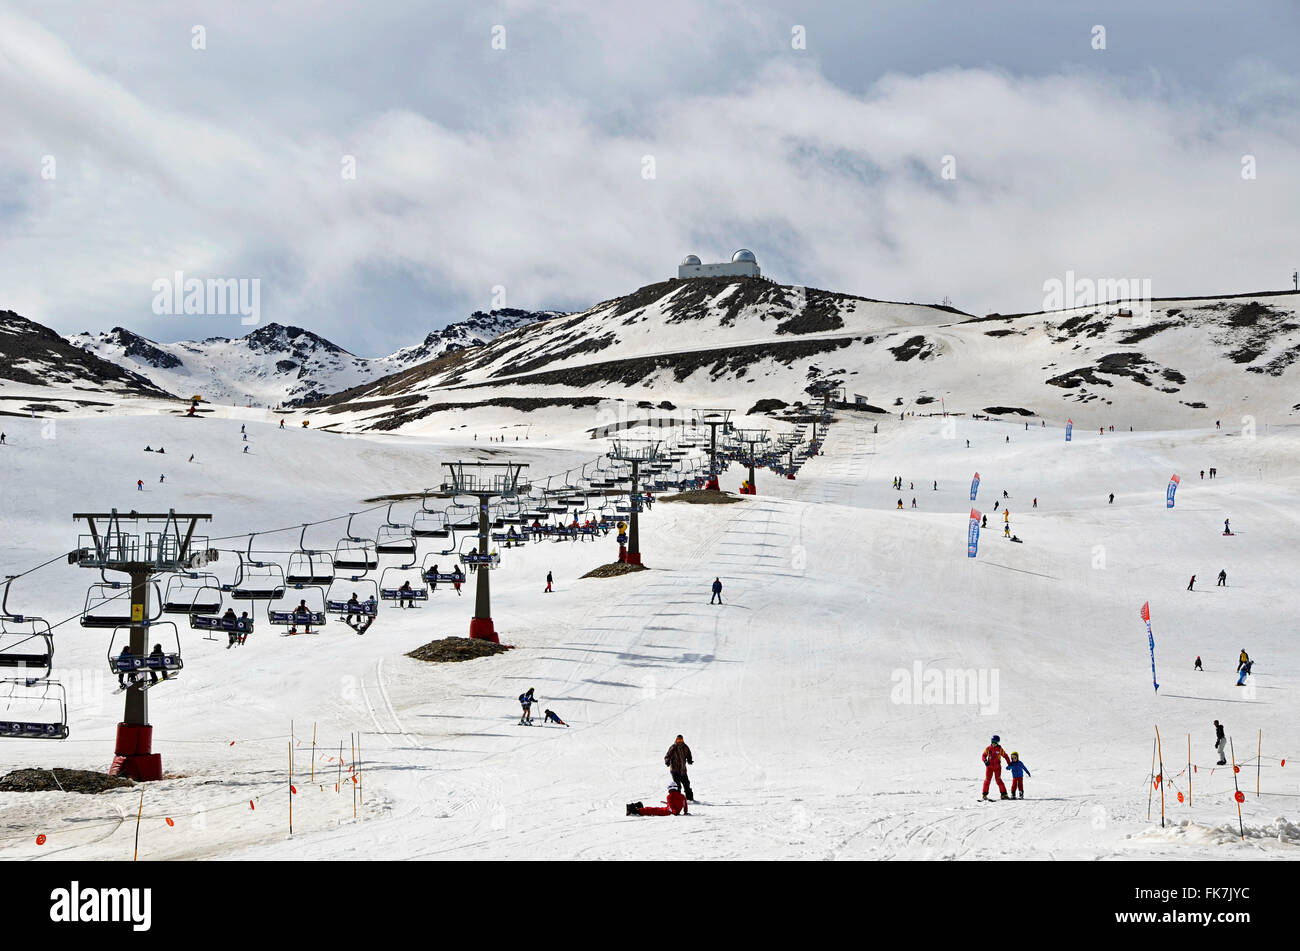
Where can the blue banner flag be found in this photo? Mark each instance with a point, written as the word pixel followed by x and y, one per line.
pixel 974 487
pixel 973 534
pixel 1169 492
pixel 1069 429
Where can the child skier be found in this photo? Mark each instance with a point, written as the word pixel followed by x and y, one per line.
pixel 526 702
pixel 993 756
pixel 1197 665
pixel 552 718
pixel 1018 773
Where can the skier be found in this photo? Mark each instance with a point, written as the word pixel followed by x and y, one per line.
pixel 282 424
pixel 191 459
pixel 1245 672
pixel 914 503
pixel 717 591
pixel 1191 583
pixel 526 702
pixel 677 759
pixel 1226 529
pixel 1243 658
pixel 549 580
pixel 984 521
pixel 124 665
pixel 1017 779
pixel 936 485
pixel 457 576
pixel 1035 502
pixel 162 478
pixel 1220 742
pixel 676 805
pixel 900 503
pixel 1223 578
pixel 245 450
pixel 1202 473
pixel 552 718
pixel 1006 515
pixel 2 439
pixel 1112 499
pixel 996 504
pixel 967 443
pixel 1197 665
pixel 1006 530
pixel 139 485
pixel 1004 494
pixel 993 756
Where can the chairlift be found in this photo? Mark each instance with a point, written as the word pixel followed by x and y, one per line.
pixel 210 625
pixel 143 672
pixel 388 591
pixel 204 597
pixel 256 580
pixel 366 607
pixel 309 566
pixel 354 553
pixel 393 538
pixel 298 614
pixel 34 710
pixel 100 603
pixel 433 576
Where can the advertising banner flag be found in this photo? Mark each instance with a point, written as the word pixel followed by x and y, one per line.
pixel 1169 492
pixel 973 534
pixel 1151 642
pixel 1069 429
pixel 974 487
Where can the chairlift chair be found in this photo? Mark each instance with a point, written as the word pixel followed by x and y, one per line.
pixel 161 660
pixel 388 591
pixel 297 615
pixel 366 607
pixel 394 539
pixel 33 710
pixel 99 602
pixel 309 566
pixel 201 598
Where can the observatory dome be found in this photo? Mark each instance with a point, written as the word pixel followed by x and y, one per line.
pixel 690 259
pixel 744 254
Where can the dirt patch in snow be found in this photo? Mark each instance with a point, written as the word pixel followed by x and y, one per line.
pixel 61 780
pixel 453 650
pixel 614 570
pixel 701 497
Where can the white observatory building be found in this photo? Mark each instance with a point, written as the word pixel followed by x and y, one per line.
pixel 742 264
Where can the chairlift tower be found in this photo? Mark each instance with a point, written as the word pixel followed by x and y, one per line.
pixel 634 452
pixel 484 481
pixel 713 418
pixel 111 547
pixel 751 438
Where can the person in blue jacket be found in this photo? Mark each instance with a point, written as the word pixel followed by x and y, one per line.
pixel 1018 773
pixel 717 591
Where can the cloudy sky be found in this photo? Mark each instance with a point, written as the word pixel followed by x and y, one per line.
pixel 607 140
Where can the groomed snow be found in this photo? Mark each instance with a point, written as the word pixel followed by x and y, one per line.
pixel 786 693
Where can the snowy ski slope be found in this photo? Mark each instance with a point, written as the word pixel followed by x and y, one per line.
pixel 786 693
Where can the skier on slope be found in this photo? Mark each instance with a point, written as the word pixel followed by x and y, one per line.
pixel 1220 742
pixel 1244 673
pixel 1223 578
pixel 717 591
pixel 992 757
pixel 1242 659
pixel 1190 584
pixel 1226 529
pixel 677 759
pixel 526 700
pixel 1018 773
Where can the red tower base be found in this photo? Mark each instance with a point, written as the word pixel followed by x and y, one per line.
pixel 622 553
pixel 712 484
pixel 133 755
pixel 633 558
pixel 482 628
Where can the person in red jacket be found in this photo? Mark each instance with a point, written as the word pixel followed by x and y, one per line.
pixel 993 756
pixel 676 805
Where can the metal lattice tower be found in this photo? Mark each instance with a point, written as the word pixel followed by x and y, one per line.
pixel 751 438
pixel 713 418
pixel 634 452
pixel 111 547
pixel 484 481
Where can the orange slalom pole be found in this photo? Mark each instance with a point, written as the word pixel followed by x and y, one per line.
pixel 1189 770
pixel 138 814
pixel 1237 792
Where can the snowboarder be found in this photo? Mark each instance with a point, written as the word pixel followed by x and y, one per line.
pixel 717 591
pixel 1018 772
pixel 526 702
pixel 1112 499
pixel 677 759
pixel 675 805
pixel 1191 583
pixel 984 521
pixel 162 478
pixel 551 717
pixel 549 580
pixel 1245 672
pixel 1006 530
pixel 1197 665
pixel 1016 538
pixel 1035 502
pixel 139 485
pixel 1220 742
pixel 1242 659
pixel 993 756
pixel 1223 578
pixel 1226 529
